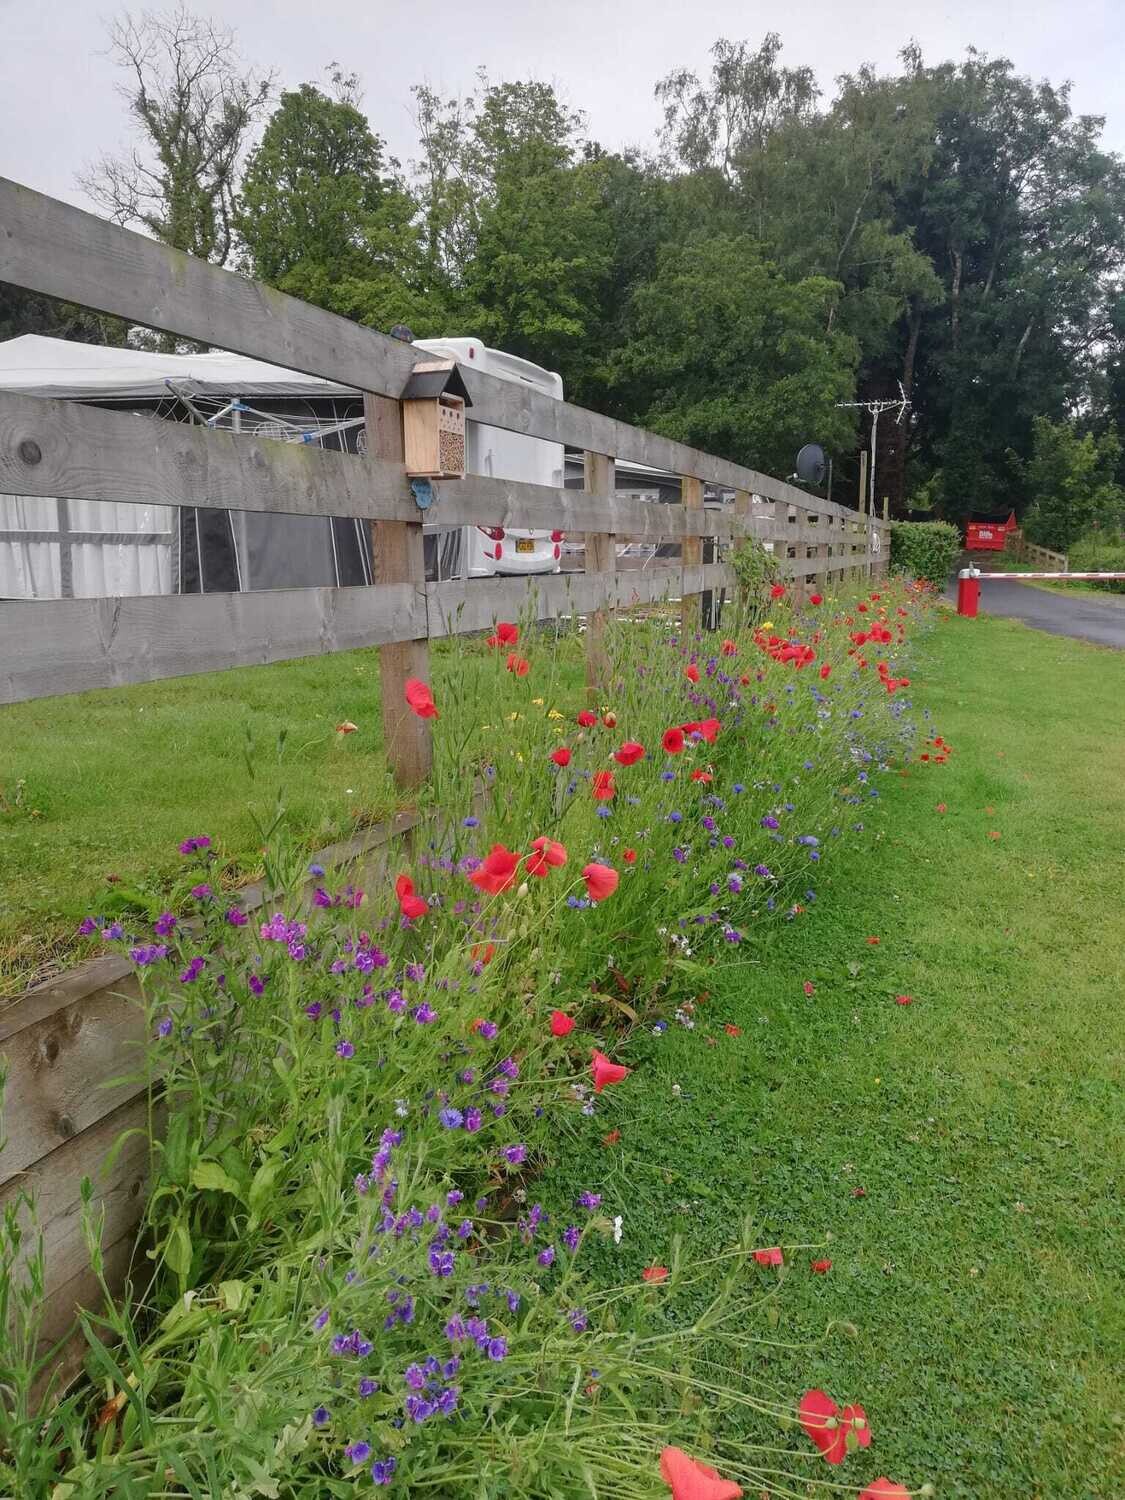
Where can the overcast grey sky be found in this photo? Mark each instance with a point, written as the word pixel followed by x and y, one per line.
pixel 58 108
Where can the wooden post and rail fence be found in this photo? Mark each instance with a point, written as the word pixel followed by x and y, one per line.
pixel 64 1039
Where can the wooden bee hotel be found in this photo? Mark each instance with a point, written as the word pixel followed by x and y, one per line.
pixel 433 421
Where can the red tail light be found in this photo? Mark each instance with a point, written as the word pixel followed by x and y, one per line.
pixel 499 553
pixel 558 550
pixel 558 536
pixel 494 533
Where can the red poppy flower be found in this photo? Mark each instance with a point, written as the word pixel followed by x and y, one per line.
pixel 732 1030
pixel 629 754
pixel 993 833
pixel 691 672
pixel 483 953
pixel 704 776
pixel 872 942
pixel 728 648
pixel 809 987
pixel 827 1427
pixel 876 597
pixel 821 1267
pixel 859 1192
pixel 518 664
pixel 884 1489
pixel 546 854
pixel 603 787
pixel 816 599
pixel 824 671
pixel 709 729
pixel 655 1273
pixel 507 634
pixel 611 1138
pixel 770 1257
pixel 673 741
pixel 561 1023
pixel 497 871
pixel 561 756
pixel 940 807
pixel 587 719
pixel 601 881
pixel 778 591
pixel 629 856
pixel 689 1479
pixel 904 999
pixel 347 727
pixel 605 1072
pixel 862 608
pixel 610 720
pixel 420 699
pixel 744 681
pixel 409 904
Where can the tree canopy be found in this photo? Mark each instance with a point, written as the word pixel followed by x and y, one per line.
pixel 951 231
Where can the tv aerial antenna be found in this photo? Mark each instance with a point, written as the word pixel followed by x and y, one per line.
pixel 876 409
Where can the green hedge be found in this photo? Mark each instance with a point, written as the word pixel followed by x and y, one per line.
pixel 925 549
pixel 1100 554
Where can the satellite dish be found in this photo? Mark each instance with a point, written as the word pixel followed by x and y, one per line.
pixel 812 464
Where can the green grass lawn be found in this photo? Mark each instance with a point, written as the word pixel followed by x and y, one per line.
pixel 108 783
pixel 961 1155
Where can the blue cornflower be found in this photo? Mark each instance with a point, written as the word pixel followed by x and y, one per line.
pixel 383 1469
pixel 451 1118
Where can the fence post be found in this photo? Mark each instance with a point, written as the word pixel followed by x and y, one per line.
pixel 691 605
pixel 399 558
pixel 601 557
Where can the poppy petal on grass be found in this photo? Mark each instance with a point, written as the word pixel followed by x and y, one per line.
pixel 819 1417
pixel 808 987
pixel 688 1479
pixel 771 1256
pixel 602 786
pixel 884 1489
pixel 904 999
pixel 821 1267
pixel 691 672
pixel 545 854
pixel 347 727
pixel 856 1424
pixel 561 1023
pixel 655 1273
pixel 606 1072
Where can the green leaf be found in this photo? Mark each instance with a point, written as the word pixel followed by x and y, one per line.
pixel 209 1176
pixel 235 1295
pixel 177 1250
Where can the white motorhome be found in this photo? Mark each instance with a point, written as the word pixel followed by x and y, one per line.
pixel 507 455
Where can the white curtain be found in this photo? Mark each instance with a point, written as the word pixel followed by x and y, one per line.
pixel 33 569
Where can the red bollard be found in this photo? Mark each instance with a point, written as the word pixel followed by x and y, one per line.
pixel 968 592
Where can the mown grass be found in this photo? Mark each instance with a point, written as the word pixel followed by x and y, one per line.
pixel 981 1263
pixel 113 780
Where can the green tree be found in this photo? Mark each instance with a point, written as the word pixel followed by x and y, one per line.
pixel 322 215
pixel 724 353
pixel 1069 482
pixel 193 103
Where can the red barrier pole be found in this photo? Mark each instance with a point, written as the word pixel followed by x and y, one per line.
pixel 968 592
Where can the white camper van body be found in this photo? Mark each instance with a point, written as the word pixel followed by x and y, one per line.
pixel 506 455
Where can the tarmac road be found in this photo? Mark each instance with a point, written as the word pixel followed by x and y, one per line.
pixel 1099 618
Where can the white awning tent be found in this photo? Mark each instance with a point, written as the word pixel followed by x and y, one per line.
pixel 55 548
pixel 41 366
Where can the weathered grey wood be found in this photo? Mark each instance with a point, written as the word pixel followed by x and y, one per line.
pixel 84 453
pixel 459 608
pixel 400 563
pixel 70 645
pixel 54 248
pixel 58 1063
pixel 601 559
pixel 54 1183
pixel 691 493
pixel 62 448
